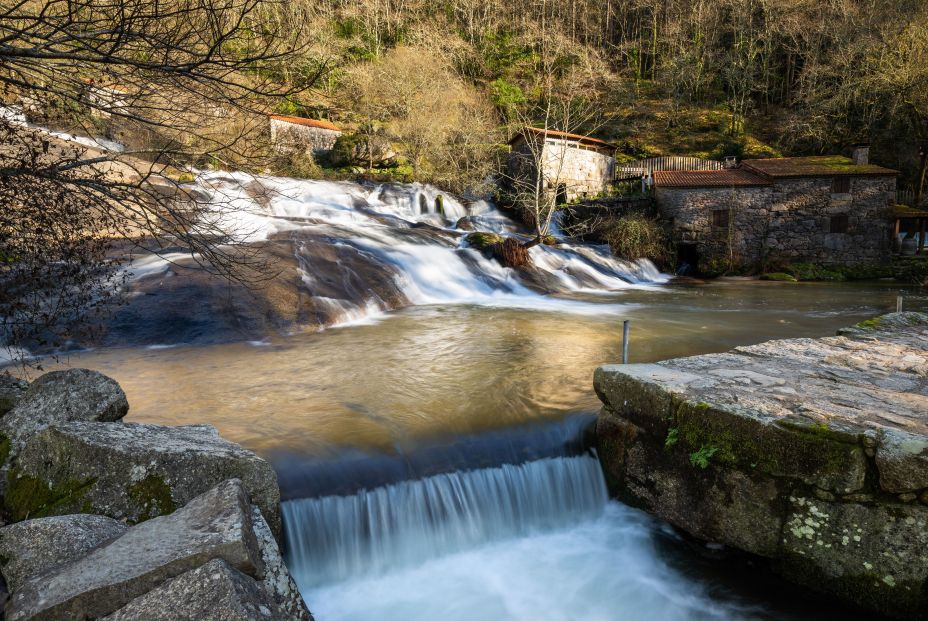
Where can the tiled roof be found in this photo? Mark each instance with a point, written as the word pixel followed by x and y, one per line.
pixel 297 120
pixel 814 166
pixel 553 133
pixel 707 178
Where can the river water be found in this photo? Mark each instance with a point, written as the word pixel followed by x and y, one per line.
pixel 431 441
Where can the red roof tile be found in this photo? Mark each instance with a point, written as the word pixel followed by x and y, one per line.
pixel 814 166
pixel 707 178
pixel 298 120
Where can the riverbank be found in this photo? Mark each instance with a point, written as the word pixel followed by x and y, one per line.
pixel 121 521
pixel 809 452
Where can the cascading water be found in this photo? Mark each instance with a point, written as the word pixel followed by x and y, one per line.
pixel 536 540
pixel 360 250
pixel 337 537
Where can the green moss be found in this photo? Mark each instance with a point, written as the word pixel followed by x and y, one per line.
pixel 31 497
pixel 870 324
pixel 673 436
pixel 778 276
pixel 482 241
pixel 154 495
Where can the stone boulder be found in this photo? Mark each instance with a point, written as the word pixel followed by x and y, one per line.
pixel 215 525
pixel 11 391
pixel 277 580
pixel 132 471
pixel 810 452
pixel 212 592
pixel 35 546
pixel 61 396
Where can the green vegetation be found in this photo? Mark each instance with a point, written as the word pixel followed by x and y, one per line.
pixel 31 497
pixel 154 495
pixel 482 241
pixel 700 458
pixel 673 436
pixel 778 276
pixel 636 236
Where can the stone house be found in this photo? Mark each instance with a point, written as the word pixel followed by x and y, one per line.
pixel 291 134
pixel 571 166
pixel 830 210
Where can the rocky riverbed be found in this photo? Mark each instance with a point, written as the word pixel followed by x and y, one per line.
pixel 812 453
pixel 117 521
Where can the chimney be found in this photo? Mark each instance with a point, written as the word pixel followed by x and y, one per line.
pixel 730 162
pixel 861 155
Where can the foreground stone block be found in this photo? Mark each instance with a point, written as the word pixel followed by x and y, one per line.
pixel 277 581
pixel 12 390
pixel 215 525
pixel 213 592
pixel 61 396
pixel 132 471
pixel 811 452
pixel 35 546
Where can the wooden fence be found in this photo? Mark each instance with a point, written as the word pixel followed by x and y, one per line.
pixel 645 167
pixel 907 197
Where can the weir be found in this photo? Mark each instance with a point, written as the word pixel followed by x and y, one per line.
pixel 334 537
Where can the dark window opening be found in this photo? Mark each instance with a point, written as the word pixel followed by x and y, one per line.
pixel 720 218
pixel 838 223
pixel 841 185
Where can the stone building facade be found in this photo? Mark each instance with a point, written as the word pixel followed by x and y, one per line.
pixel 827 210
pixel 571 166
pixel 291 134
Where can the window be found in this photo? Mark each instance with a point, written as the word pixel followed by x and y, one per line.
pixel 841 185
pixel 838 223
pixel 720 218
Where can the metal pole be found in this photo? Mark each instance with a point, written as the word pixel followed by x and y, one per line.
pixel 898 303
pixel 625 342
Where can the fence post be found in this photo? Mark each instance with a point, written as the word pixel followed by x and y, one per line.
pixel 625 342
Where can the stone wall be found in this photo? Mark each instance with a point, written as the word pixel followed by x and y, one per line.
pixel 291 137
pixel 582 172
pixel 812 453
pixel 787 221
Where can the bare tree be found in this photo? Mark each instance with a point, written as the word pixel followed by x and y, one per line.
pixel 181 82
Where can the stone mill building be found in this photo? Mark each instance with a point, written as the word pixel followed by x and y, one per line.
pixel 823 209
pixel 291 134
pixel 571 166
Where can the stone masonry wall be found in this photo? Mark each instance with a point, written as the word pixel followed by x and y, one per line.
pixel 787 221
pixel 583 172
pixel 290 137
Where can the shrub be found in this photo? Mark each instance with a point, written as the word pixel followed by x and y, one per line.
pixel 637 236
pixel 511 253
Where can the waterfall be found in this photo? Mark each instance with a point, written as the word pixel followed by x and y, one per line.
pixel 362 249
pixel 336 537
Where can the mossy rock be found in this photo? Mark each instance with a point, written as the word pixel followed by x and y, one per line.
pixel 482 241
pixel 779 277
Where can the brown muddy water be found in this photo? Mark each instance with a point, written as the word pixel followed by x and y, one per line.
pixel 428 371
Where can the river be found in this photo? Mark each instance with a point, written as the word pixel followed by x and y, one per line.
pixel 432 451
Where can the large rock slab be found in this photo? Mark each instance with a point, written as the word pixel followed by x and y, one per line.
pixel 739 447
pixel 215 525
pixel 277 581
pixel 61 396
pixel 132 471
pixel 12 390
pixel 32 547
pixel 213 592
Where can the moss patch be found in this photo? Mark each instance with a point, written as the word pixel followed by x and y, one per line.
pixel 483 241
pixel 778 276
pixel 153 495
pixel 31 497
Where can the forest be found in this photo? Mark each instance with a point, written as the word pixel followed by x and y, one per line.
pixel 707 77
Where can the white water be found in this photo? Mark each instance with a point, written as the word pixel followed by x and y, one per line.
pixel 401 227
pixel 538 541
